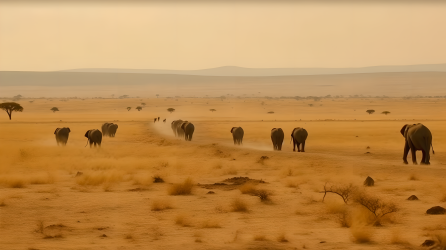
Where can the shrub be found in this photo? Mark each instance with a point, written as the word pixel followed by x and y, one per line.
pixel 260 237
pixel 282 238
pixel 157 179
pixel 378 207
pixel 211 224
pixel 182 221
pixel 238 205
pixel 160 205
pixel 184 188
pixel 361 234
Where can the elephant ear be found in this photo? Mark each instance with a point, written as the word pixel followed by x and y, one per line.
pixel 56 130
pixel 403 130
pixel 182 125
pixel 232 129
pixel 86 134
pixel 273 129
pixel 69 130
pixel 292 132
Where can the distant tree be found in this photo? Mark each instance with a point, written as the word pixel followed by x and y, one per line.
pixel 385 112
pixel 129 108
pixel 370 111
pixel 212 110
pixel 171 110
pixel 31 101
pixel 139 108
pixel 143 103
pixel 271 112
pixel 54 109
pixel 16 98
pixel 157 95
pixel 10 107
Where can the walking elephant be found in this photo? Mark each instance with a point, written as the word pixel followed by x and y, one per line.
pixel 164 120
pixel 188 130
pixel 418 137
pixel 175 125
pixel 109 129
pixel 277 136
pixel 94 137
pixel 62 135
pixel 237 135
pixel 299 136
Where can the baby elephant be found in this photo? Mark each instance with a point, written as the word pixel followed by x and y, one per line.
pixel 299 136
pixel 62 135
pixel 237 135
pixel 94 137
pixel 418 137
pixel 277 136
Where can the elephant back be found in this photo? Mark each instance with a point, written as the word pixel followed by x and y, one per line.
pixel 238 132
pixel 300 134
pixel 277 133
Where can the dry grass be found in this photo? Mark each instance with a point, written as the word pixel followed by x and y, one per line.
pixel 260 237
pixel 99 178
pixel 413 177
pixel 282 238
pixel 248 188
pixel 210 224
pixel 182 220
pixel 239 205
pixel 160 205
pixel 396 238
pixel 184 188
pixel 361 234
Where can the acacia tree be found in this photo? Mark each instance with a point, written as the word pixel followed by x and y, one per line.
pixel 171 110
pixel 129 108
pixel 143 103
pixel 385 112
pixel 370 111
pixel 54 109
pixel 212 110
pixel 139 108
pixel 10 107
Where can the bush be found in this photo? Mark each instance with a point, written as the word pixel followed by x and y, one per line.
pixel 378 207
pixel 361 234
pixel 238 205
pixel 184 188
pixel 160 205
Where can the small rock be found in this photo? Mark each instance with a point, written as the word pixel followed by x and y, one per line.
pixel 264 157
pixel 428 243
pixel 368 147
pixel 369 181
pixel 103 236
pixel 367 153
pixel 211 192
pixel 79 174
pixel 436 210
pixel 413 198
pixel 322 241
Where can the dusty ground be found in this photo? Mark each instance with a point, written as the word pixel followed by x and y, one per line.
pixel 43 205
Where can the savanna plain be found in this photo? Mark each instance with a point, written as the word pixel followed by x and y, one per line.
pixel 147 189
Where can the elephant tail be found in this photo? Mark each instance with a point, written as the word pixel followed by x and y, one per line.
pixel 433 152
pixel 87 142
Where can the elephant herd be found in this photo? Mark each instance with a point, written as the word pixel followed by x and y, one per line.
pixel 94 136
pixel 417 137
pixel 299 136
pixel 182 128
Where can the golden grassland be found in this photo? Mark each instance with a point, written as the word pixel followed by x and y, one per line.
pixel 76 197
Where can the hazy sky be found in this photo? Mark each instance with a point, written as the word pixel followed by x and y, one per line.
pixel 47 36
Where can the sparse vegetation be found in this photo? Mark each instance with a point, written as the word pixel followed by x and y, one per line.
pixel 239 205
pixel 345 191
pixel 377 206
pixel 282 238
pixel 157 179
pixel 361 234
pixel 184 188
pixel 182 220
pixel 260 237
pixel 161 204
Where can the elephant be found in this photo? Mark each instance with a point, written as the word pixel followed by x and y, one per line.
pixel 62 135
pixel 237 135
pixel 164 120
pixel 109 129
pixel 299 136
pixel 179 130
pixel 277 136
pixel 188 130
pixel 158 118
pixel 154 120
pixel 94 137
pixel 418 137
pixel 175 125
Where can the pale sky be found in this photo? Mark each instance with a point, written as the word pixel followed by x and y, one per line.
pixel 48 36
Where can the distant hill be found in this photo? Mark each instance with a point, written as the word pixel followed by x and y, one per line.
pixel 239 71
pixel 81 84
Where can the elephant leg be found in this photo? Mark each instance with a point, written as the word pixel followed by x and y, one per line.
pixel 406 151
pixel 99 144
pixel 235 141
pixel 190 137
pixel 298 146
pixel 414 153
pixel 423 159
pixel 303 146
pixel 91 143
pixel 294 145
